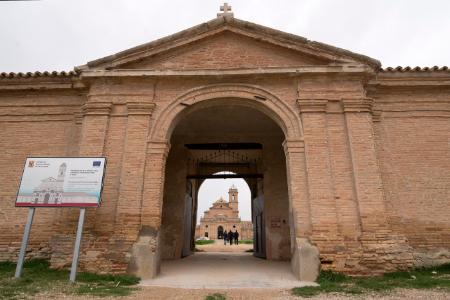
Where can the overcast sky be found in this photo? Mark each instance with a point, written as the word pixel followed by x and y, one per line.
pixel 58 35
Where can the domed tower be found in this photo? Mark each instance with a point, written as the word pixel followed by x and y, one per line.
pixel 233 197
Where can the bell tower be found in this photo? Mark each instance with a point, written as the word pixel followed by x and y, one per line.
pixel 62 172
pixel 233 197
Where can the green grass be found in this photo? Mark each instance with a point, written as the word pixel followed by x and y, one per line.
pixel 37 277
pixel 423 278
pixel 216 296
pixel 204 242
pixel 246 242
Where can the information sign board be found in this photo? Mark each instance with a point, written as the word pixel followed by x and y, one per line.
pixel 61 182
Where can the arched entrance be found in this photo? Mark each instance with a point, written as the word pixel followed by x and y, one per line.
pixel 220 232
pixel 225 134
pixel 237 117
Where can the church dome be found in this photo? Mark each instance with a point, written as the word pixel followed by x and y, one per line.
pixel 220 200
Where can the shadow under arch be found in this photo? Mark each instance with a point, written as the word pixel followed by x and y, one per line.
pixel 251 96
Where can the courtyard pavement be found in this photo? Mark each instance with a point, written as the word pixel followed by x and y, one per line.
pixel 224 270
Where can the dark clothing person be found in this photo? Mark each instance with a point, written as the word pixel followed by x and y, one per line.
pixel 225 237
pixel 236 237
pixel 230 237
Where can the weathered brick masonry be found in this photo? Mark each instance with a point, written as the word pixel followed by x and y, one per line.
pixel 363 172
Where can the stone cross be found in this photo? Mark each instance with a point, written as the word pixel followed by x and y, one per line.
pixel 226 11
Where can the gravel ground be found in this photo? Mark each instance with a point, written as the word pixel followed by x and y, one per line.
pixel 156 293
pixel 218 246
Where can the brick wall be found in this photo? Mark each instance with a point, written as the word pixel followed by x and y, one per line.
pixel 413 145
pixel 32 124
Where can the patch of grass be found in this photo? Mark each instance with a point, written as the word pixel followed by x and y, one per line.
pixel 246 242
pixel 422 278
pixel 204 242
pixel 249 250
pixel 37 277
pixel 216 296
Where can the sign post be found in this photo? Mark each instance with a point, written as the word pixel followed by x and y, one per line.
pixel 23 248
pixel 60 182
pixel 76 250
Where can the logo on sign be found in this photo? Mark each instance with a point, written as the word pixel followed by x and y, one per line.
pixel 96 163
pixel 31 164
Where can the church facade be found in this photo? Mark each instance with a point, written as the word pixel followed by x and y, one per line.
pixel 223 216
pixel 348 163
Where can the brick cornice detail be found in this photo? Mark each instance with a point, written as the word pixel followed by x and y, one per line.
pixel 78 118
pixel 376 115
pixel 97 108
pixel 357 105
pixel 312 105
pixel 294 146
pixel 159 147
pixel 140 108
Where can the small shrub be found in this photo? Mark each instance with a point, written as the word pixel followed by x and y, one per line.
pixel 246 242
pixel 204 242
pixel 216 296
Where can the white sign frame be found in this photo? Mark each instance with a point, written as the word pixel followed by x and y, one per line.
pixel 59 192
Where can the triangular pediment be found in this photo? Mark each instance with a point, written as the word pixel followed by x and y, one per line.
pixel 225 50
pixel 228 43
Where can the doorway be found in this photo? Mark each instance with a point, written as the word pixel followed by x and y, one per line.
pixel 220 233
pixel 208 139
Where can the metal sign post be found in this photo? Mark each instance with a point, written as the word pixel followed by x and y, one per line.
pixel 51 182
pixel 76 250
pixel 25 238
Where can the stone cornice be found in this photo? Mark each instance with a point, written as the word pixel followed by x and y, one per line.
pixel 97 108
pixel 140 108
pixel 357 105
pixel 329 69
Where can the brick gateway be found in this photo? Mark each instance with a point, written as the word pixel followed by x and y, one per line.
pixel 354 159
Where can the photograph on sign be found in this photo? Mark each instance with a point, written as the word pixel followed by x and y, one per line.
pixel 61 181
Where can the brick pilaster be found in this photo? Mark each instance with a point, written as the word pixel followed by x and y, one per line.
pixel 95 125
pixel 366 172
pixel 383 250
pixel 318 167
pixel 128 210
pixel 157 152
pixel 299 209
pixel 92 141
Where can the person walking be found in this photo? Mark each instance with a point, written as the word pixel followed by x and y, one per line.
pixel 225 237
pixel 230 237
pixel 236 238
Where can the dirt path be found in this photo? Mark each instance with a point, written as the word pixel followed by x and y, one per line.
pixel 218 246
pixel 225 270
pixel 280 294
pixel 158 293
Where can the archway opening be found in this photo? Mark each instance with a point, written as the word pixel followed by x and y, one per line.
pixel 208 138
pixel 224 202
pixel 220 232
